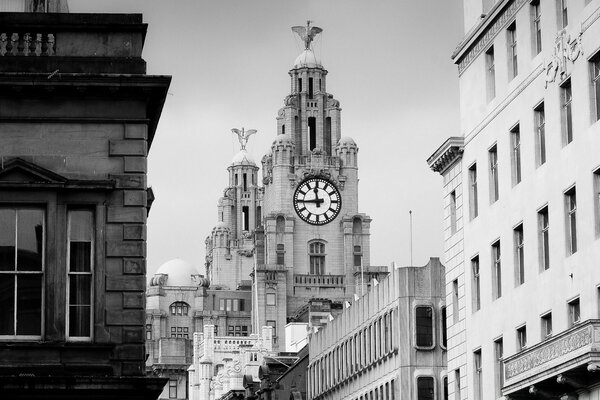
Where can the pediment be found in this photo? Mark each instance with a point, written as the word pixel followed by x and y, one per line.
pixel 19 171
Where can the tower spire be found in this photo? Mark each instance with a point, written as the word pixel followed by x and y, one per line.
pixel 306 33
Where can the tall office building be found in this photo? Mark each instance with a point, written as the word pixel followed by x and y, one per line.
pixel 521 189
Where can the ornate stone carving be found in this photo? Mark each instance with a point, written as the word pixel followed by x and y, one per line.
pixel 331 102
pixel 158 280
pixel 565 48
pixel 552 350
pixel 290 100
pixel 243 136
pixel 307 33
pixel 246 253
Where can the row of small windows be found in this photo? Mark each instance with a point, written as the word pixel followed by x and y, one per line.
pixel 574 316
pixel 369 345
pixel 179 308
pixel 385 391
pixel 543 236
pixel 511 42
pixel 180 332
pixel 231 305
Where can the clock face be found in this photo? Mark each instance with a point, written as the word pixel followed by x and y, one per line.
pixel 317 201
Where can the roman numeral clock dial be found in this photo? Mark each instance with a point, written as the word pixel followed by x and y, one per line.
pixel 317 201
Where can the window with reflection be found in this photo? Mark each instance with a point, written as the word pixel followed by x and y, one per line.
pixel 22 247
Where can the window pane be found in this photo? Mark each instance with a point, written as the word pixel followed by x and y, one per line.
pixel 81 225
pixel 29 304
pixel 80 290
pixel 7 240
pixel 30 236
pixel 7 304
pixel 79 321
pixel 424 326
pixel 80 259
pixel 425 388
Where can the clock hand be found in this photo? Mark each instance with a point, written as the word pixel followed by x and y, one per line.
pixel 316 201
pixel 317 197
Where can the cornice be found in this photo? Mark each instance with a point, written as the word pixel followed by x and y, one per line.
pixel 447 154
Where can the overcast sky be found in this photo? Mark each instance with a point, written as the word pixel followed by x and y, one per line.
pixel 389 66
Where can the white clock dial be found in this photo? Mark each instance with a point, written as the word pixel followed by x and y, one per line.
pixel 317 201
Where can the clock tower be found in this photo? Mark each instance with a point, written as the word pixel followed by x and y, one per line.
pixel 314 243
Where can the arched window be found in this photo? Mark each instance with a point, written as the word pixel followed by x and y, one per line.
pixel 316 255
pixel 179 308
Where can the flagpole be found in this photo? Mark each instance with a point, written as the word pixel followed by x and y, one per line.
pixel 411 238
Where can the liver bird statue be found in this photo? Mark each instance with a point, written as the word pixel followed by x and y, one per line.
pixel 243 136
pixel 307 33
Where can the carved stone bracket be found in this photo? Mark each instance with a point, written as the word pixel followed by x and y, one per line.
pixel 566 47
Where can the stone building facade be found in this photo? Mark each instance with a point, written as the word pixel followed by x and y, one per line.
pixel 521 184
pixel 78 116
pixel 389 344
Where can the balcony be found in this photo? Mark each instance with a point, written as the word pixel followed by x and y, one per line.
pixel 320 280
pixel 562 364
pixel 317 161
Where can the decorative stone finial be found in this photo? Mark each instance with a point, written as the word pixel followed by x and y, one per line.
pixel 243 136
pixel 306 33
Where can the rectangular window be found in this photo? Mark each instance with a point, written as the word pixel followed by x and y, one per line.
pixel 22 249
pixel 473 202
pixel 476 289
pixel 515 141
pixel 280 254
pixel 563 15
pixel 425 389
pixel 490 69
pixel 536 27
pixel 511 37
pixel 477 372
pixel 544 238
pixel 270 297
pixel 222 304
pixel 540 134
pixel 595 75
pixel 316 253
pixel 173 388
pixel 424 324
pixel 493 157
pixel 499 366
pixel 546 320
pixel 496 271
pixel 357 256
pixel 444 333
pixel 453 212
pixel 457 384
pixel 80 259
pixel 574 312
pixel 455 301
pixel 566 99
pixel 571 220
pixel 519 251
pixel 596 201
pixel 521 337
pixel 148 331
pixel 273 324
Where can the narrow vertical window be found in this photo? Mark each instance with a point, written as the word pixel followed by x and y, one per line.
pixel 473 201
pixel 22 247
pixel 245 217
pixel 566 100
pixel 595 75
pixel 515 141
pixel 477 372
pixel 496 271
pixel 490 67
pixel 280 239
pixel 563 15
pixel 546 325
pixel 544 238
pixel 499 366
pixel 312 133
pixel 476 289
pixel 536 27
pixel 453 212
pixel 511 35
pixel 444 327
pixel 540 134
pixel 521 337
pixel 574 312
pixel 424 324
pixel 571 220
pixel 493 157
pixel 316 253
pixel 310 88
pixel 457 384
pixel 173 388
pixel 327 136
pixel 80 259
pixel 357 232
pixel 596 201
pixel 455 307
pixel 245 181
pixel 299 84
pixel 445 394
pixel 425 389
pixel 283 129
pixel 519 251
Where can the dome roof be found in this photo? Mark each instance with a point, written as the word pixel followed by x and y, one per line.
pixel 242 158
pixel 221 225
pixel 179 272
pixel 307 59
pixel 346 141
